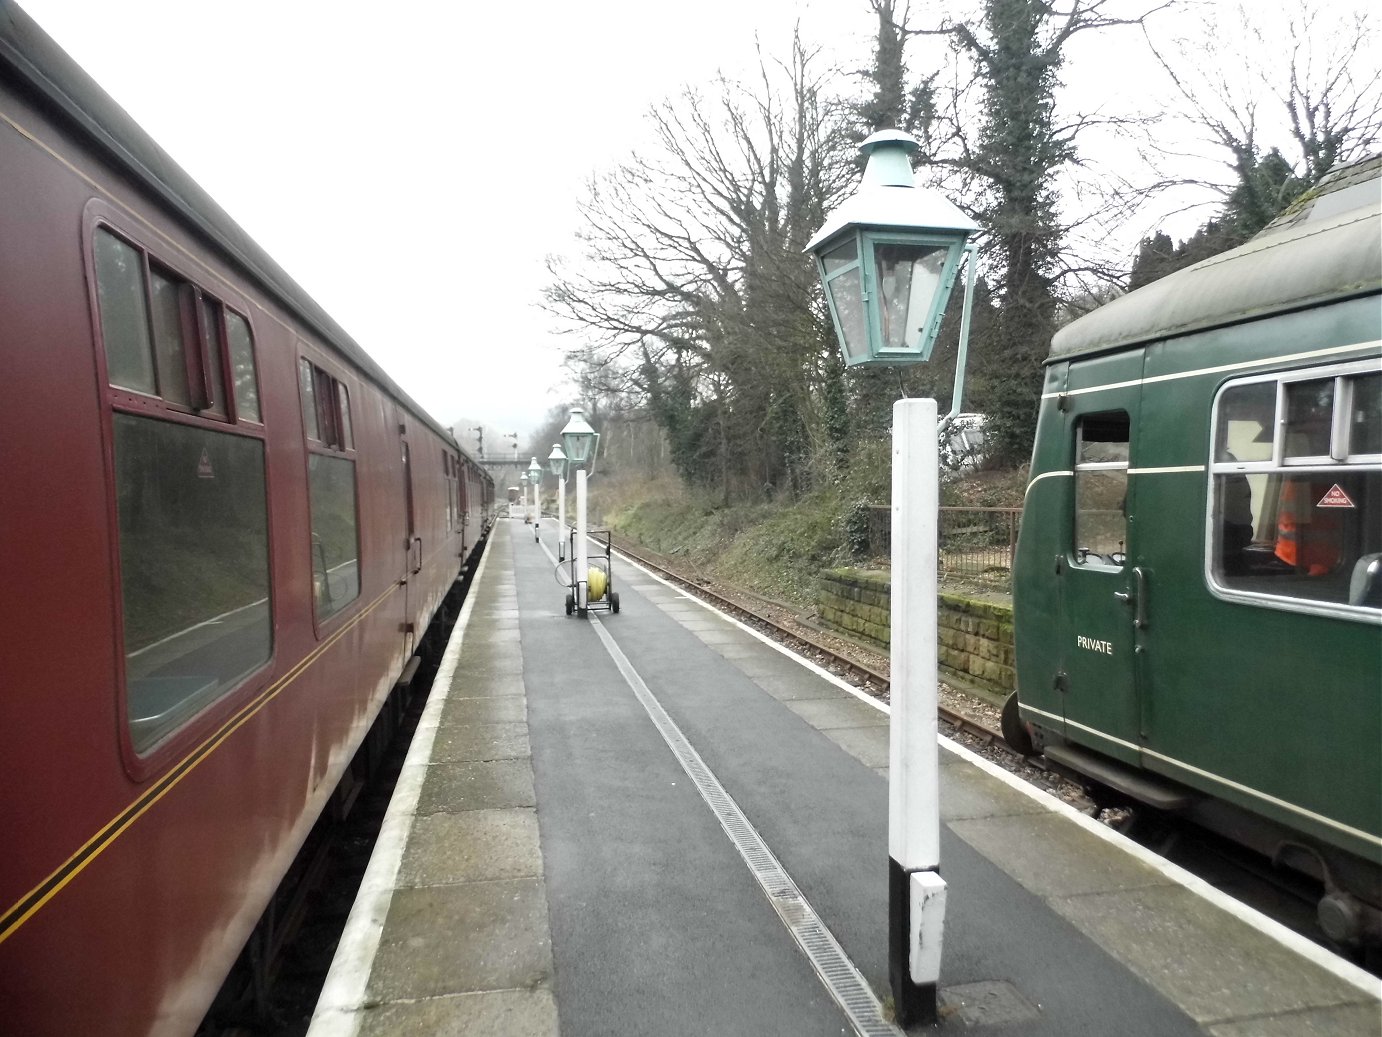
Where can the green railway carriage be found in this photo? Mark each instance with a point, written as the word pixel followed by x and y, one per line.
pixel 1198 584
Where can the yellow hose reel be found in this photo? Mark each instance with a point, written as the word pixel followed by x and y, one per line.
pixel 596 583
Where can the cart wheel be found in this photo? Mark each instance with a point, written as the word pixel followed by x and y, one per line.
pixel 614 602
pixel 570 604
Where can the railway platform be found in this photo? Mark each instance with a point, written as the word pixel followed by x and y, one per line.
pixel 657 822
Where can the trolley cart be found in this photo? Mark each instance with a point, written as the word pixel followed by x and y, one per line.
pixel 600 594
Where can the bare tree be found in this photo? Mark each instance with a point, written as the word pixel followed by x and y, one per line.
pixel 692 288
pixel 1282 96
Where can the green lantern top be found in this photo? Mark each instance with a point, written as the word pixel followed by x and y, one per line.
pixel 888 258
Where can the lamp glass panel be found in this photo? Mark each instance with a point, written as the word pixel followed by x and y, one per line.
pixel 576 445
pixel 840 256
pixel 847 301
pixel 909 276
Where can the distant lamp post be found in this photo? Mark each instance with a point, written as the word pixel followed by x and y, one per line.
pixel 888 258
pixel 535 477
pixel 556 464
pixel 581 443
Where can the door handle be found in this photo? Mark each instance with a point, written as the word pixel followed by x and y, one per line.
pixel 418 542
pixel 1139 576
pixel 1137 597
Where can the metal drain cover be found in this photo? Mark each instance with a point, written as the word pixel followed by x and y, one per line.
pixel 988 1003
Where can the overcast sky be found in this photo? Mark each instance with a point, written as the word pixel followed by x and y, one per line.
pixel 412 163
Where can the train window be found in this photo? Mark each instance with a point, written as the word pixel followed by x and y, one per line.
pixel 335 539
pixel 1309 418
pixel 165 337
pixel 214 350
pixel 331 490
pixel 1247 423
pixel 1365 424
pixel 171 320
pixel 242 366
pixel 343 402
pixel 194 568
pixel 325 407
pixel 1101 488
pixel 1302 524
pixel 124 313
pixel 309 399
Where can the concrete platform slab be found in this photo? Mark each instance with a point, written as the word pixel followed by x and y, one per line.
pixel 1051 857
pixel 480 742
pixel 489 709
pixel 823 714
pixel 456 939
pixel 1342 1021
pixel 1216 967
pixel 498 1013
pixel 868 745
pixel 482 785
pixel 471 846
pixel 793 687
pixel 967 792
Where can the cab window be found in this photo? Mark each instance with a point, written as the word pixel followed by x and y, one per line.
pixel 1296 504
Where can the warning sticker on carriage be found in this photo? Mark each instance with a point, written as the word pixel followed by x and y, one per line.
pixel 204 468
pixel 1336 498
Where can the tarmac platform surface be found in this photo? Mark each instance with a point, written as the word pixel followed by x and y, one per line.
pixel 550 863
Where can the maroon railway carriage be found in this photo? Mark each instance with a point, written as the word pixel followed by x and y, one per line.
pixel 222 530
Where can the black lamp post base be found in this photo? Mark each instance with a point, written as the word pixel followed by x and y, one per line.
pixel 914 1004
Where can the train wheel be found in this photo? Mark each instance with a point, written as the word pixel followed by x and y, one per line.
pixel 614 602
pixel 1014 732
pixel 570 604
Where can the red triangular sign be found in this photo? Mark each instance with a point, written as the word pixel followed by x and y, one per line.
pixel 204 467
pixel 1336 498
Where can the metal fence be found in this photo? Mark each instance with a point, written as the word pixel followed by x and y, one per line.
pixel 974 543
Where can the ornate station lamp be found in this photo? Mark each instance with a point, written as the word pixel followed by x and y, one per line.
pixel 582 443
pixel 888 257
pixel 580 440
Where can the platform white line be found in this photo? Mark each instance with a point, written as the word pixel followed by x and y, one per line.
pixel 338 1011
pixel 837 972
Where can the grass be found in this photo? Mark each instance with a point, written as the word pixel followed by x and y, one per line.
pixel 775 549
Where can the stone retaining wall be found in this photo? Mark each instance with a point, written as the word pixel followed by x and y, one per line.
pixel 976 637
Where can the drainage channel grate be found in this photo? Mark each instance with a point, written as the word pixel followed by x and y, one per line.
pixel 827 957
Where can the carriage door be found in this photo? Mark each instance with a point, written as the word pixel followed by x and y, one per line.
pixel 1102 593
pixel 412 545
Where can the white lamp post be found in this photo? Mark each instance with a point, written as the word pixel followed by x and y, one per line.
pixel 888 258
pixel 556 462
pixel 581 443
